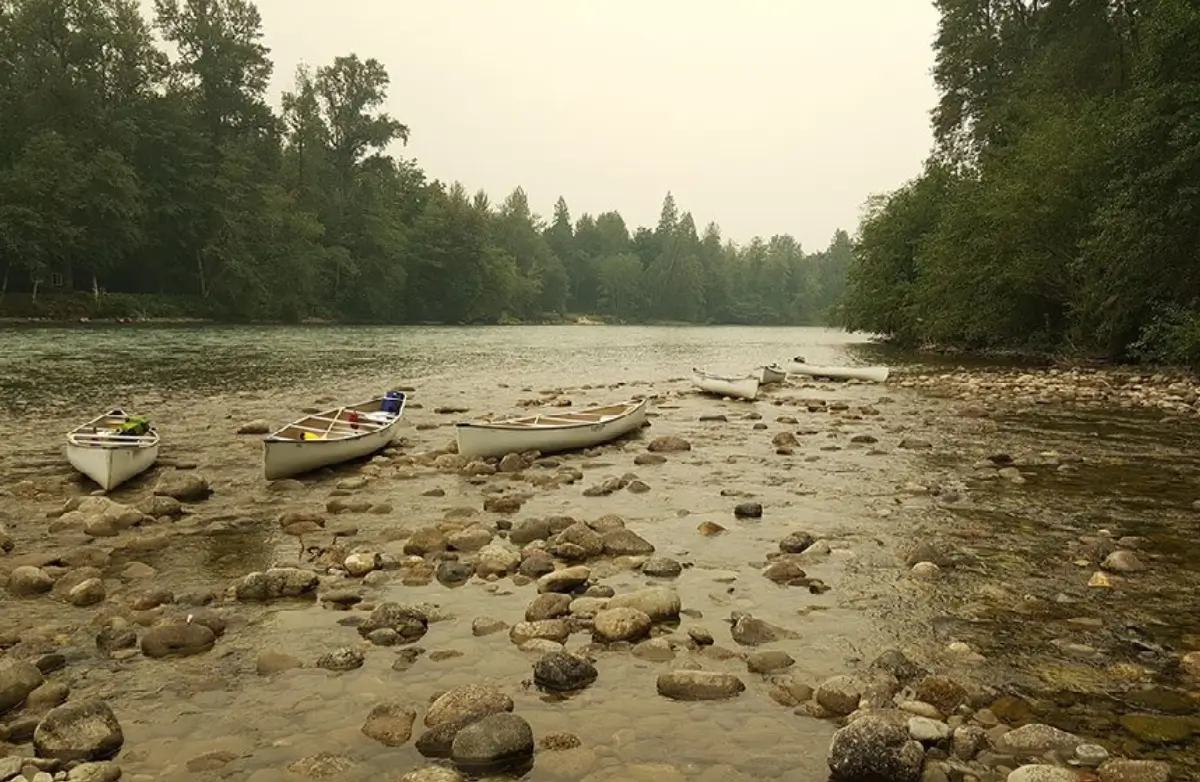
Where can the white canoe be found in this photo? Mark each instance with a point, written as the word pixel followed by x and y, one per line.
pixel 872 374
pixel 740 387
pixel 109 458
pixel 550 432
pixel 330 437
pixel 772 374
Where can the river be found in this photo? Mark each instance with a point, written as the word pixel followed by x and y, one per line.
pixel 213 716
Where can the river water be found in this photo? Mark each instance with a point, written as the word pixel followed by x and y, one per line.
pixel 211 716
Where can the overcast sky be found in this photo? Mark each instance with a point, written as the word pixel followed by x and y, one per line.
pixel 766 116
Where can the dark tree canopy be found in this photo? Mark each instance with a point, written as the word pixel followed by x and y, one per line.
pixel 134 183
pixel 1060 208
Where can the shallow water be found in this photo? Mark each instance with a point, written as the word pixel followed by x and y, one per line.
pixel 199 384
pixel 1080 657
pixel 1129 473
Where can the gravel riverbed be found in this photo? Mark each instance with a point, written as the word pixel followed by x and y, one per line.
pixel 807 585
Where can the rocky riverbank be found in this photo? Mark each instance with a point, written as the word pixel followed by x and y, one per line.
pixel 1174 392
pixel 733 594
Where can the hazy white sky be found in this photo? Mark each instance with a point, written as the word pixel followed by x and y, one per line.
pixel 767 116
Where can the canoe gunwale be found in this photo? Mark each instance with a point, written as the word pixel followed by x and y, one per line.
pixel 331 415
pixel 722 378
pixel 509 425
pixel 110 441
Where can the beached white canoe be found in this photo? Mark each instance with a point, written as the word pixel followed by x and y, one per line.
pixel 98 449
pixel 739 387
pixel 772 373
pixel 332 436
pixel 871 374
pixel 550 432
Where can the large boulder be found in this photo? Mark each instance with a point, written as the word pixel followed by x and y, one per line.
pixel 18 678
pixel 80 730
pixel 872 749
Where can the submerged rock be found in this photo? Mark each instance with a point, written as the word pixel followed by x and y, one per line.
pixel 390 724
pixel 686 685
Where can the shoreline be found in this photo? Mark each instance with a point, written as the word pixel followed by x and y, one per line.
pixel 581 320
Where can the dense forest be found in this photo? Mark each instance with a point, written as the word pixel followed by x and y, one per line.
pixel 1060 207
pixel 167 184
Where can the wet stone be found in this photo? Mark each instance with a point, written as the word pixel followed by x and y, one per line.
pixel 563 672
pixel 839 695
pixel 276 583
pixel 453 573
pixel 550 605
pixel 688 685
pixel 494 743
pixel 103 771
pixel 796 542
pixel 564 580
pixel 748 510
pixel 18 678
pixel 874 748
pixel 1122 770
pixel 344 659
pixel 487 626
pixel 1042 773
pixel 466 701
pixel 390 724
pixel 661 567
pixel 768 661
pixel 622 623
pixel 82 730
pixel 177 640
pixel 408 622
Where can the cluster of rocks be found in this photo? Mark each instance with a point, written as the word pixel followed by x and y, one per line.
pixel 460 548
pixel 1109 388
pixel 903 724
pixel 472 725
pixel 67 739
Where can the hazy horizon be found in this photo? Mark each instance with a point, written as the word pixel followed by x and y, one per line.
pixel 761 117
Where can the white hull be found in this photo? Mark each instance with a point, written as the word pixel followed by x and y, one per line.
pixel 110 461
pixel 336 440
pixel 738 387
pixel 870 374
pixel 772 374
pixel 550 432
pixel 110 467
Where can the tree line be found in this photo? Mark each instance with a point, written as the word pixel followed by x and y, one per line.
pixel 1059 208
pixel 127 171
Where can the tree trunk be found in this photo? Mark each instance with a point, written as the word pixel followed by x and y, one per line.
pixel 95 289
pixel 200 269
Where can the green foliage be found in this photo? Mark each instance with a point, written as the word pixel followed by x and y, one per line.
pixel 1172 337
pixel 129 176
pixel 1059 208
